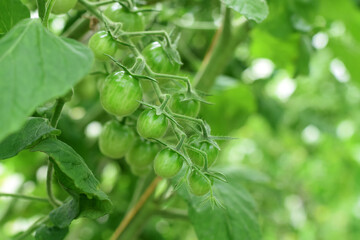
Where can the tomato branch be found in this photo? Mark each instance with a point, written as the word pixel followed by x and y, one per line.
pixel 13 195
pixel 133 211
pixel 221 50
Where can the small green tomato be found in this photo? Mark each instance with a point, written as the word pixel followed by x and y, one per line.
pixel 208 148
pixel 142 154
pixel 151 125
pixel 101 43
pixel 198 184
pixel 188 107
pixel 116 139
pixel 167 163
pixel 120 94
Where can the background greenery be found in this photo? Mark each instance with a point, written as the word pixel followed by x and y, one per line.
pixel 290 95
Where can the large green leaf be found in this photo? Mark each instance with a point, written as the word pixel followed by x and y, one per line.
pixel 36 66
pixel 11 12
pixel 236 221
pixel 76 177
pixel 53 233
pixel 32 131
pixel 256 10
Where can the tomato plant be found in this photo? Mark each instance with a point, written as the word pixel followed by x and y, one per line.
pixel 129 119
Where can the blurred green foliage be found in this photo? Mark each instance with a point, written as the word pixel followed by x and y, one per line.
pixel 290 96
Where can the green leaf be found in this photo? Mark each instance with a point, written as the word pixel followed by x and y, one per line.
pixel 256 10
pixel 53 233
pixel 62 216
pixel 11 12
pixel 76 177
pixel 36 66
pixel 33 130
pixel 236 221
pixel 41 4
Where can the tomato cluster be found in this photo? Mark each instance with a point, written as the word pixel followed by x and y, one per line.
pixel 140 128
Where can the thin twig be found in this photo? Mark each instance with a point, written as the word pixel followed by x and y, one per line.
pixel 133 211
pixel 49 191
pixel 14 195
pixel 173 213
pixel 32 228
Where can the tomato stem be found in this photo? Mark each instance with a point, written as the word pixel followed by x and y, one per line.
pixel 48 9
pixel 57 112
pixel 224 43
pixel 32 228
pixel 144 33
pixel 53 121
pixel 93 10
pixel 49 191
pixel 164 103
pixel 14 195
pixel 133 211
pixel 173 213
pixel 98 4
pixel 181 141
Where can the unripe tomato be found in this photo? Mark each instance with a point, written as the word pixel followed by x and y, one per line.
pixel 142 154
pixel 120 94
pixel 151 125
pixel 167 163
pixel 158 60
pixel 131 22
pixel 198 184
pixel 116 139
pixel 101 43
pixel 208 148
pixel 189 108
pixel 63 6
pixel 140 171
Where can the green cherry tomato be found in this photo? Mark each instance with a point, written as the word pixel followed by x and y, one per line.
pixel 151 125
pixel 158 60
pixel 120 94
pixel 140 171
pixel 63 6
pixel 142 154
pixel 131 22
pixel 116 139
pixel 167 163
pixel 189 107
pixel 198 184
pixel 101 43
pixel 208 148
